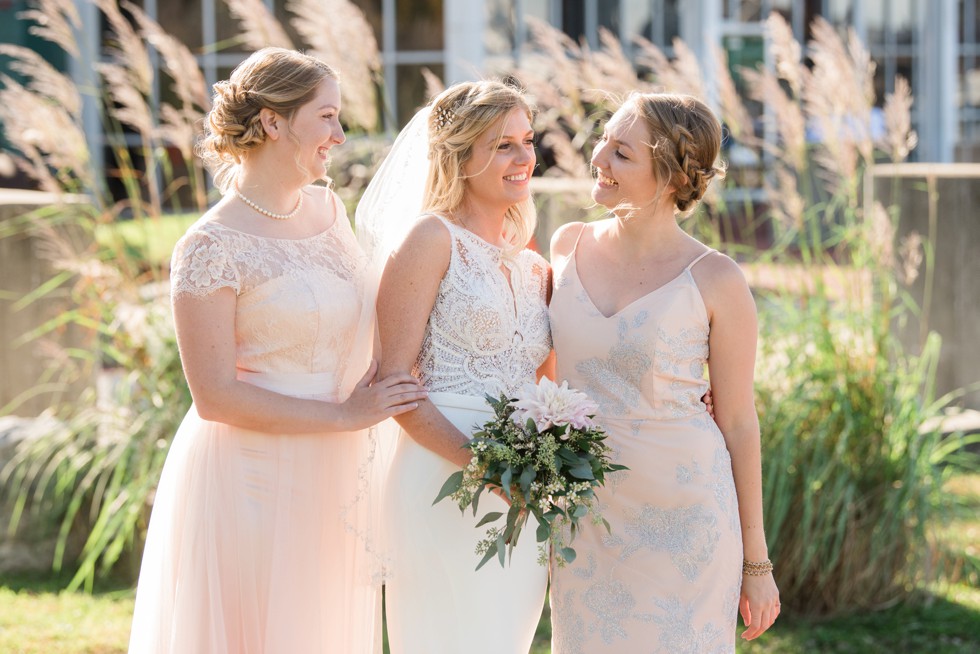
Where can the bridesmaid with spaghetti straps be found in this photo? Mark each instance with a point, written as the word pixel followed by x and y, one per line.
pixel 638 305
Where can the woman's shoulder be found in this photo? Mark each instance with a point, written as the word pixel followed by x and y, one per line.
pixel 431 229
pixel 428 239
pixel 564 238
pixel 208 229
pixel 717 268
pixel 721 281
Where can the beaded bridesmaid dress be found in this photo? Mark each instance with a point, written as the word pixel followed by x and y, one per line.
pixel 667 579
pixel 251 546
pixel 483 337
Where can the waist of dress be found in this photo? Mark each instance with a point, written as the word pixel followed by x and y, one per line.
pixel 445 400
pixel 647 417
pixel 312 385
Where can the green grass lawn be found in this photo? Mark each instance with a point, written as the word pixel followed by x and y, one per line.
pixel 147 239
pixel 35 618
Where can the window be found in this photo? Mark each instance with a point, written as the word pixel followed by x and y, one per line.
pixel 968 80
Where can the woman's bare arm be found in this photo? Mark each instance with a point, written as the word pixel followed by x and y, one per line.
pixel 206 338
pixel 732 346
pixel 408 292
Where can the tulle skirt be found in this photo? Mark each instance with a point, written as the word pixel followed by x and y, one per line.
pixel 251 546
pixel 436 602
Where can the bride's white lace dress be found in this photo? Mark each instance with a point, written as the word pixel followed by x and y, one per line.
pixel 484 336
pixel 251 549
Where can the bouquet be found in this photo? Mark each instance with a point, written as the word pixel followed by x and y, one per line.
pixel 543 451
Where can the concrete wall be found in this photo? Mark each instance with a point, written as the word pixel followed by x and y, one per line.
pixel 941 202
pixel 24 266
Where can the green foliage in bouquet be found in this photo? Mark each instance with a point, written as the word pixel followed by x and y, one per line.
pixel 546 470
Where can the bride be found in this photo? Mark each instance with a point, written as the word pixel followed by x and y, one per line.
pixel 463 307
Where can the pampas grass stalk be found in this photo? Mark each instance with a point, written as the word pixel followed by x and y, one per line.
pixel 338 32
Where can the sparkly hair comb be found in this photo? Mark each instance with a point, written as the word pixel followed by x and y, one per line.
pixel 443 117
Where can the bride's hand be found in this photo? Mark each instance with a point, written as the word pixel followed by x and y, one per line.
pixel 372 401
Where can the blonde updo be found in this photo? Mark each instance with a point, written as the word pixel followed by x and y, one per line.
pixel 272 78
pixel 685 140
pixel 460 116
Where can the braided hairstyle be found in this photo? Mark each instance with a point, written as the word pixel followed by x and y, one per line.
pixel 460 116
pixel 685 139
pixel 271 78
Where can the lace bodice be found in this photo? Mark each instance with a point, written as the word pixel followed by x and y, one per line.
pixel 300 301
pixel 483 337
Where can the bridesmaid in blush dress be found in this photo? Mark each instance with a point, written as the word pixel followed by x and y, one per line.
pixel 462 305
pixel 253 543
pixel 639 308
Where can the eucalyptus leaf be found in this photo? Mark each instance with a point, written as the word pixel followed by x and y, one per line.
pixel 505 480
pixel 568 554
pixel 450 486
pixel 582 471
pixel 490 517
pixel 527 476
pixel 489 555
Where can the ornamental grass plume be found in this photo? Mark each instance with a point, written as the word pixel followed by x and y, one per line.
pixel 258 26
pixel 47 142
pixel 179 62
pixel 786 117
pixel 838 94
pixel 614 72
pixel 682 74
pixel 179 125
pixel 42 118
pixel 737 119
pixel 43 79
pixel 338 32
pixel 786 52
pixel 787 206
pixel 55 21
pixel 433 83
pixel 899 139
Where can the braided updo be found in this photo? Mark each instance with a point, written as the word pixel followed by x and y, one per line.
pixel 685 139
pixel 272 78
pixel 460 116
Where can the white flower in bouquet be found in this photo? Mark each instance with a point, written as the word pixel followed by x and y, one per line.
pixel 549 404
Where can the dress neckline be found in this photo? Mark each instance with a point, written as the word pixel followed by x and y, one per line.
pixel 497 249
pixel 326 231
pixel 685 273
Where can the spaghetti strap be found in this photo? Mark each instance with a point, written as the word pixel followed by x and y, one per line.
pixel 701 256
pixel 578 238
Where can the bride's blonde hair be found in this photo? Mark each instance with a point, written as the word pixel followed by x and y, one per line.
pixel 460 116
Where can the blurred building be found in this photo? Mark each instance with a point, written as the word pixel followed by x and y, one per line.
pixel 935 44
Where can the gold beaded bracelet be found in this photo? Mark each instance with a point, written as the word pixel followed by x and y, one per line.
pixel 754 569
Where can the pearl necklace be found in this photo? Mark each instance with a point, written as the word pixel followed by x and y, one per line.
pixel 266 212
